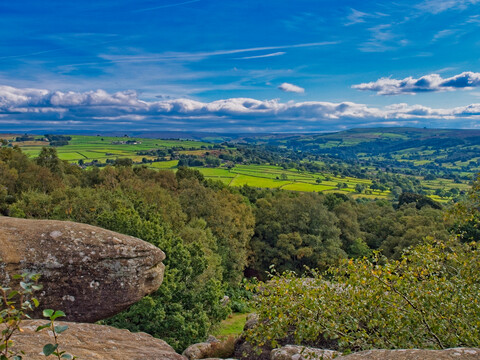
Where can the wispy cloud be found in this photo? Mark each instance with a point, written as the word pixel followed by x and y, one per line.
pixel 42 108
pixel 91 43
pixel 383 38
pixel 192 56
pixel 166 6
pixel 263 56
pixel 287 87
pixel 428 83
pixel 444 33
pixel 176 57
pixel 438 6
pixel 357 17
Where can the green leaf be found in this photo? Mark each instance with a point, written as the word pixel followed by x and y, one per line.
pixel 49 349
pixel 47 313
pixel 12 294
pixel 67 356
pixel 60 328
pixel 37 287
pixel 58 314
pixel 35 302
pixel 41 327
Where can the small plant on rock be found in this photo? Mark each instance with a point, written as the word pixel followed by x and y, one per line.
pixel 15 306
pixel 53 349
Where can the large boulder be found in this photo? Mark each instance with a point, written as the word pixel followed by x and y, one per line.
pixel 88 272
pixel 93 342
pixel 415 354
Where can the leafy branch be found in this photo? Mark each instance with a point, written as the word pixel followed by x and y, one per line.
pixel 15 306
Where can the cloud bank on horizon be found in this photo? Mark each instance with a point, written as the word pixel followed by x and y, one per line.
pixel 429 83
pixel 33 108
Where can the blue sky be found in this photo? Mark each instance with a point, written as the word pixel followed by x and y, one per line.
pixel 239 66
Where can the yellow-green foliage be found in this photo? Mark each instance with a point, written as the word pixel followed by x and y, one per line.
pixel 428 299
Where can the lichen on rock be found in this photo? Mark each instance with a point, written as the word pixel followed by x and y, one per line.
pixel 88 272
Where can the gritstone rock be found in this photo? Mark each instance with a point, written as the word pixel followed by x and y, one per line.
pixel 93 342
pixel 296 352
pixel 88 272
pixel 414 354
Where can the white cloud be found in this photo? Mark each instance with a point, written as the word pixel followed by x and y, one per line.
pixel 40 108
pixel 428 83
pixel 287 87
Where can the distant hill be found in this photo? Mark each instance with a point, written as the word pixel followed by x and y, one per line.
pixel 402 144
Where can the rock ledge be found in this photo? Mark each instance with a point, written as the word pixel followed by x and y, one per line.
pixel 94 342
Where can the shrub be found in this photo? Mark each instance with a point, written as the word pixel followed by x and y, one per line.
pixel 427 299
pixel 14 308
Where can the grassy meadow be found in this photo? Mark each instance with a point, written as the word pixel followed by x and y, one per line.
pixel 99 149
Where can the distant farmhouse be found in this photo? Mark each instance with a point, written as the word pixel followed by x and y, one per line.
pixel 127 142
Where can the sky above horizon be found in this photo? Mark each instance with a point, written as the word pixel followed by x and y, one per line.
pixel 238 66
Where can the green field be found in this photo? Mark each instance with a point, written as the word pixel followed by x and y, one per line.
pixel 88 148
pixel 99 149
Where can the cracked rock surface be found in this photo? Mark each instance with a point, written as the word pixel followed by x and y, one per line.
pixel 88 272
pixel 93 342
pixel 415 354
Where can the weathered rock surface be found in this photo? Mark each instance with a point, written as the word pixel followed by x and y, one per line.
pixel 211 349
pixel 295 352
pixel 198 351
pixel 413 354
pixel 88 272
pixel 94 342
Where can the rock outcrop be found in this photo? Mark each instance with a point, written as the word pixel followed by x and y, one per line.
pixel 414 354
pixel 296 352
pixel 202 350
pixel 93 342
pixel 211 349
pixel 88 272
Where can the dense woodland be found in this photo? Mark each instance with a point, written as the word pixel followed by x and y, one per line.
pixel 213 235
